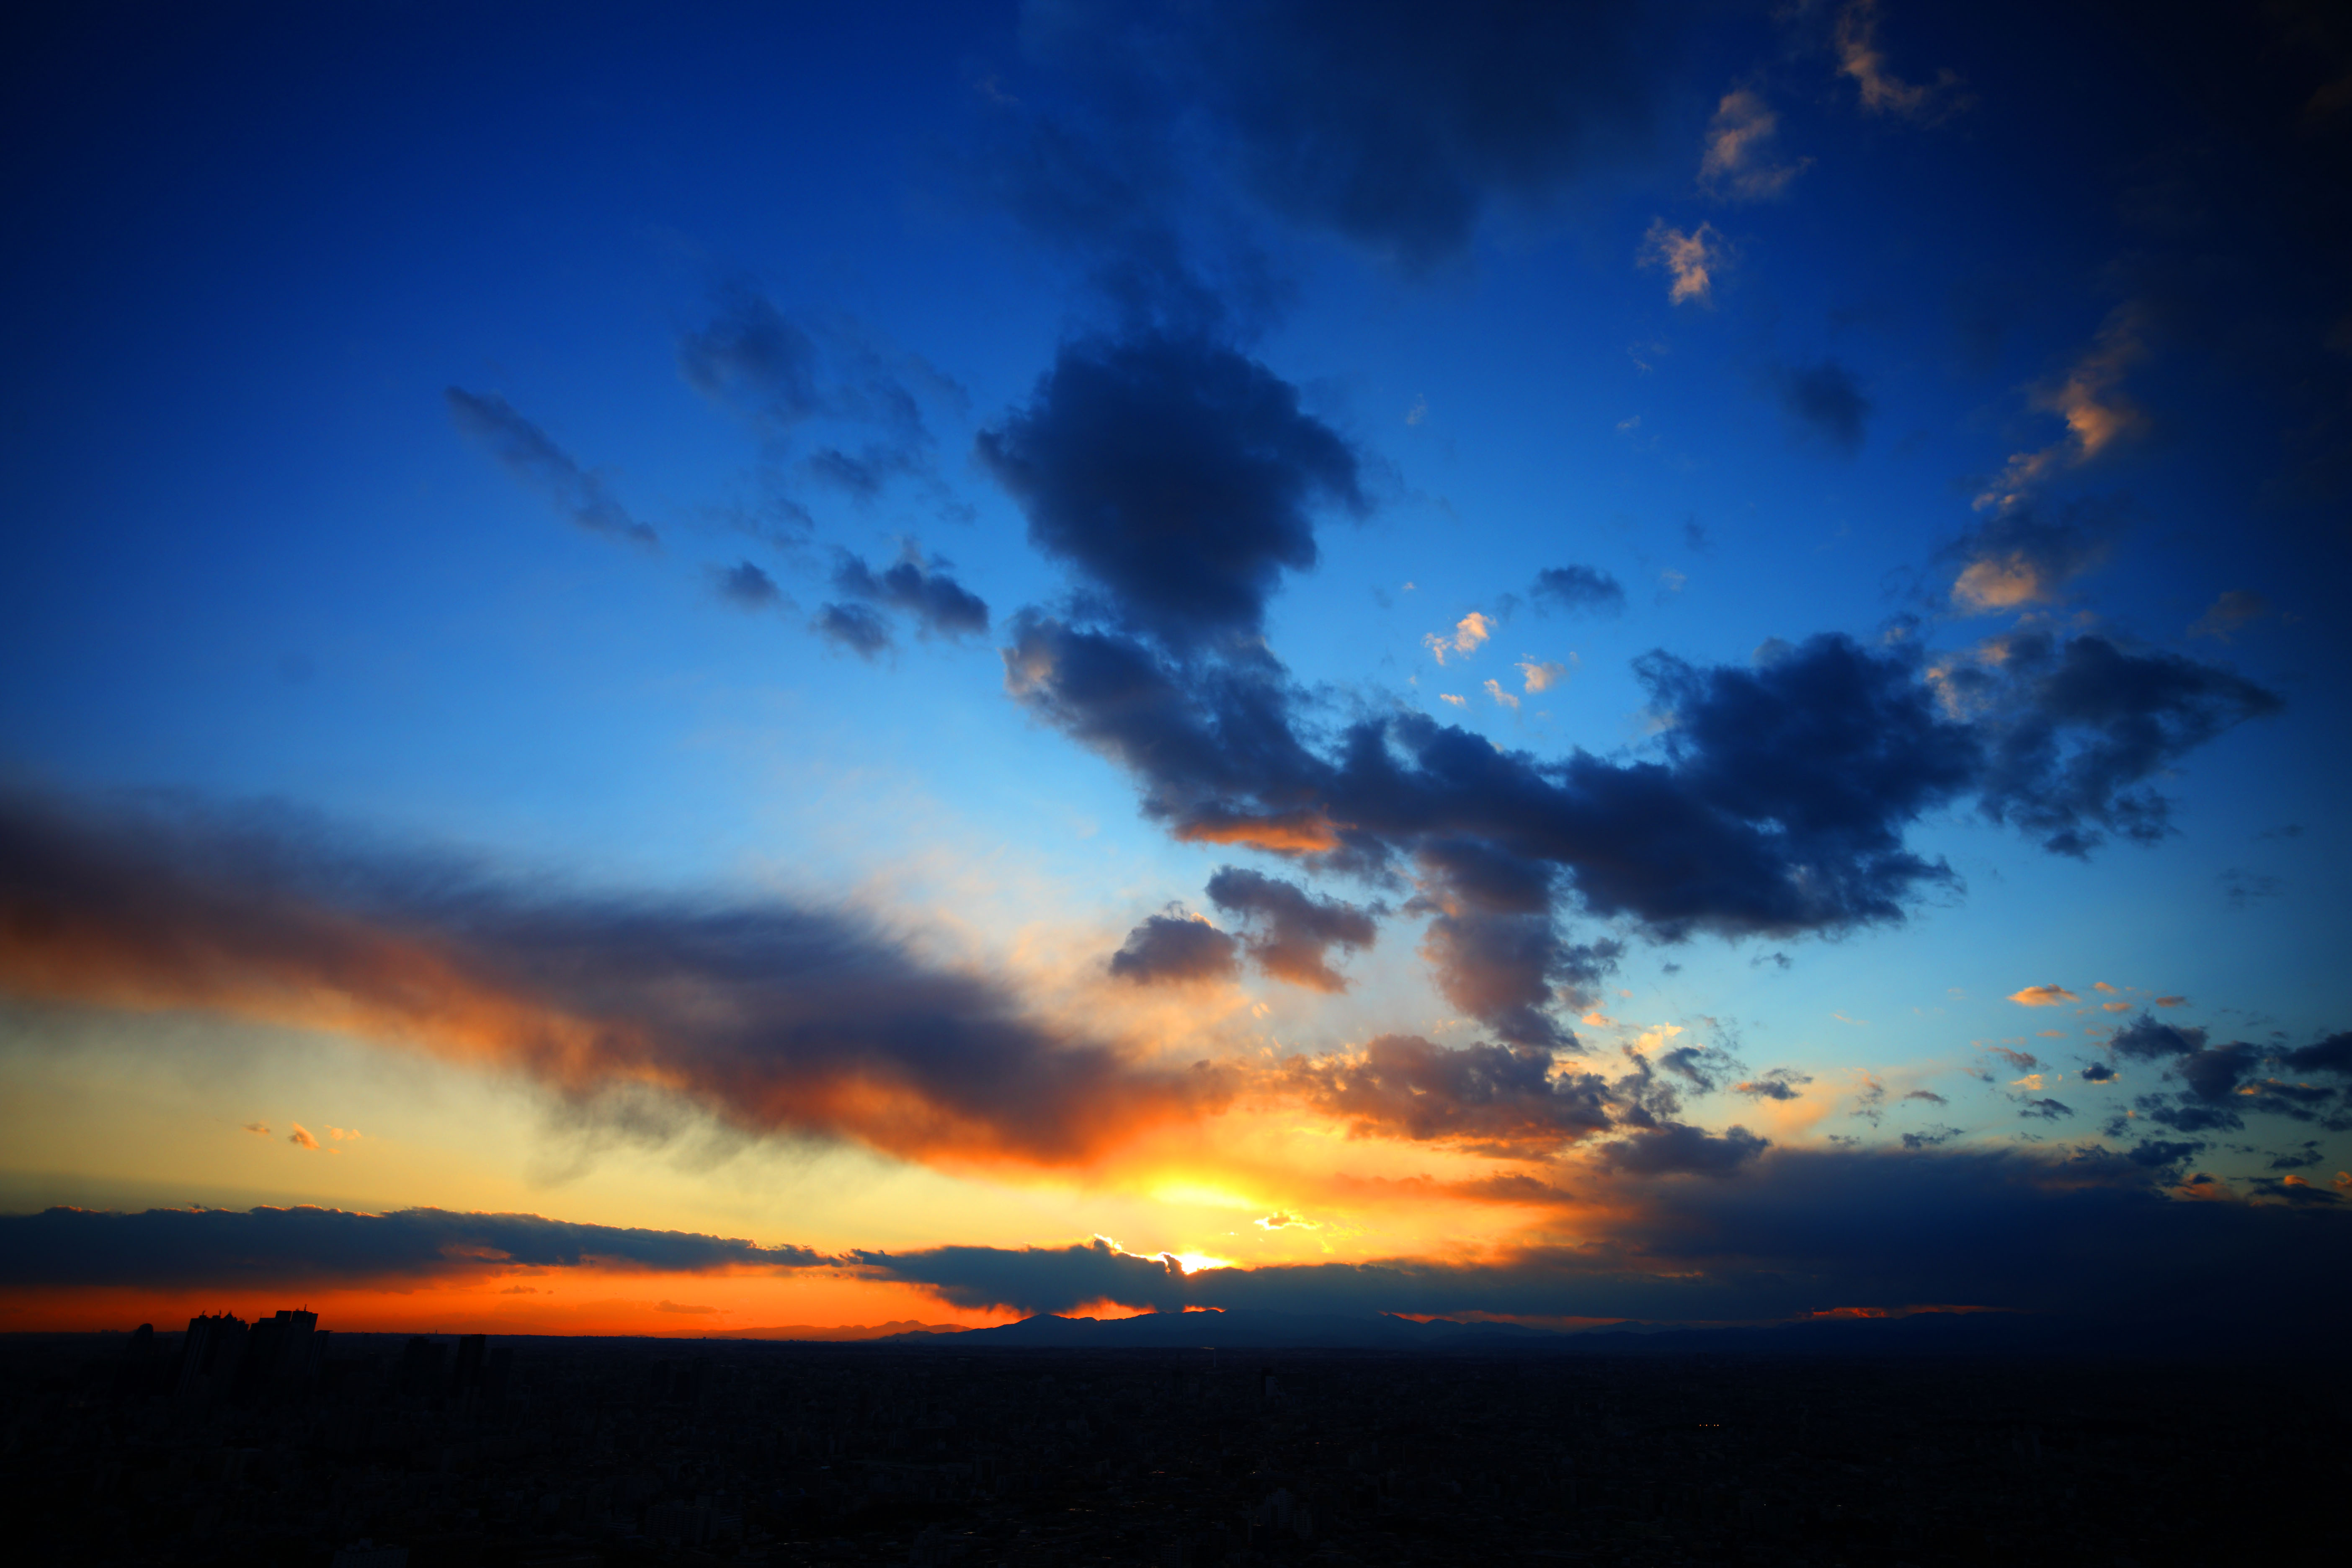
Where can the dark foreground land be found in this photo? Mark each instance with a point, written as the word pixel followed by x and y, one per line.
pixel 633 1451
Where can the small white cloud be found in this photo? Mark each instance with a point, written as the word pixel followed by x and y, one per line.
pixel 1418 412
pixel 1671 581
pixel 1449 697
pixel 1495 690
pixel 1633 422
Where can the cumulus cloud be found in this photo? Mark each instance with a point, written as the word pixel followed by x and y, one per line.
pixel 1541 676
pixel 1178 475
pixel 767 1017
pixel 1742 161
pixel 531 456
pixel 300 1137
pixel 1291 933
pixel 1691 259
pixel 925 592
pixel 744 586
pixel 1578 588
pixel 1498 1097
pixel 1861 59
pixel 1175 947
pixel 175 1248
pixel 1469 634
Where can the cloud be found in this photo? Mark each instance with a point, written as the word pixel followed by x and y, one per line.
pixel 745 587
pixel 1776 803
pixel 1691 259
pixel 1929 1095
pixel 1781 1083
pixel 1882 92
pixel 767 1017
pixel 925 594
pixel 1542 675
pixel 2233 612
pixel 752 358
pixel 1175 947
pixel 1676 1149
pixel 854 628
pixel 1740 163
pixel 300 1137
pixel 1502 699
pixel 2098 1072
pixel 528 453
pixel 2076 1234
pixel 1291 933
pixel 1469 634
pixel 1392 125
pixel 1930 1138
pixel 2019 1061
pixel 2046 1109
pixel 1823 402
pixel 1494 1096
pixel 2097 415
pixel 173 1248
pixel 1177 475
pixel 259 1129
pixel 2018 558
pixel 2127 715
pixel 1578 588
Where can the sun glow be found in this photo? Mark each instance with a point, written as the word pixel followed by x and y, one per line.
pixel 1195 1262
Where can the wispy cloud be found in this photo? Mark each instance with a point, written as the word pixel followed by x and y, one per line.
pixel 531 456
pixel 1691 259
pixel 1741 162
pixel 1862 59
pixel 2087 398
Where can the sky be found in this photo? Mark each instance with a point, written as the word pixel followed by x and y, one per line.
pixel 707 669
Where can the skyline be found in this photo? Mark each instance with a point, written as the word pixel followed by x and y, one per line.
pixel 822 665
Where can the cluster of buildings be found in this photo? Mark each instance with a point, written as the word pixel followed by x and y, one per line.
pixel 269 1443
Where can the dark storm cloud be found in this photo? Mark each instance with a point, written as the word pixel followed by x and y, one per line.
pixel 1037 1278
pixel 1823 403
pixel 1793 1232
pixel 768 1018
pixel 1488 1096
pixel 2333 1055
pixel 745 586
pixel 1780 806
pixel 927 594
pixel 527 452
pixel 165 1249
pixel 2074 730
pixel 1292 932
pixel 1393 123
pixel 1678 1149
pixel 1574 588
pixel 1176 474
pixel 855 627
pixel 1176 947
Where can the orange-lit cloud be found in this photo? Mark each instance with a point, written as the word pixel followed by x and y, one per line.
pixel 300 1137
pixel 1740 163
pixel 1861 59
pixel 1287 833
pixel 1691 259
pixel 2097 415
pixel 1469 634
pixel 771 1019
pixel 2042 996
